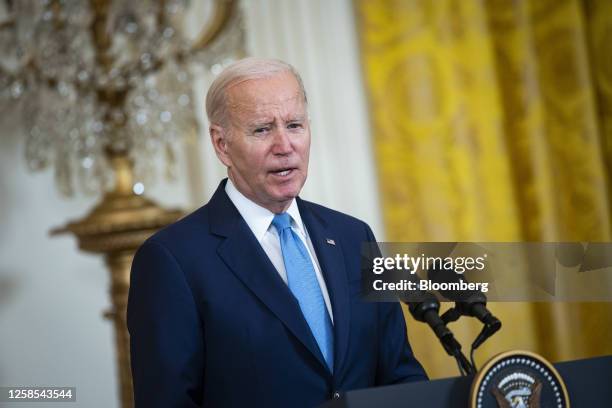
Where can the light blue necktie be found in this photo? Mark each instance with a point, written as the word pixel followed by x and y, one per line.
pixel 302 281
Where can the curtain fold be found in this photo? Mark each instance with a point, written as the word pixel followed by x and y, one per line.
pixel 492 121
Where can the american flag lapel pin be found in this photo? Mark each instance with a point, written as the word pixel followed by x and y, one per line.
pixel 330 241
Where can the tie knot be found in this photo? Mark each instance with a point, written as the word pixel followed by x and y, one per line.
pixel 281 221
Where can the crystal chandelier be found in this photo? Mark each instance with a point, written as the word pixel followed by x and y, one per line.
pixel 99 77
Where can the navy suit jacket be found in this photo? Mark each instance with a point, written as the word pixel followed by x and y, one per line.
pixel 213 324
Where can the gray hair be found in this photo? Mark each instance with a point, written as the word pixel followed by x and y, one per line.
pixel 240 71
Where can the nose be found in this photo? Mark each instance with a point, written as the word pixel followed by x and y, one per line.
pixel 282 143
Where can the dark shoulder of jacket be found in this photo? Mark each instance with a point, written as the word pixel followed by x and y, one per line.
pixel 336 218
pixel 176 236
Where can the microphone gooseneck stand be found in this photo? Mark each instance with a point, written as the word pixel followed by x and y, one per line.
pixel 474 306
pixel 471 303
pixel 427 311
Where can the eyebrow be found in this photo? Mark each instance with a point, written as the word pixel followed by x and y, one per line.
pixel 259 124
pixel 298 118
pixel 264 122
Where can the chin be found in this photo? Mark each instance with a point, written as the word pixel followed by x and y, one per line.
pixel 286 196
pixel 291 188
pixel 286 193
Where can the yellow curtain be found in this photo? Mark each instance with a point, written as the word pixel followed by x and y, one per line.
pixel 492 121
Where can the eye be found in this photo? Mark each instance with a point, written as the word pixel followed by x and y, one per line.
pixel 261 130
pixel 295 125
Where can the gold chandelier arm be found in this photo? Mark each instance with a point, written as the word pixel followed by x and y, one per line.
pixel 224 10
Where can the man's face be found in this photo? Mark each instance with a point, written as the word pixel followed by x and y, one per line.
pixel 266 142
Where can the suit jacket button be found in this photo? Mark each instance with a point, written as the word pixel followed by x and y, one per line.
pixel 336 395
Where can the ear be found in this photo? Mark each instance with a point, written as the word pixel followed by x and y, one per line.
pixel 219 139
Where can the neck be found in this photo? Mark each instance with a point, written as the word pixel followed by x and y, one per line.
pixel 276 207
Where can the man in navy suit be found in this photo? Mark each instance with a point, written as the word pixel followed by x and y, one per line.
pixel 254 299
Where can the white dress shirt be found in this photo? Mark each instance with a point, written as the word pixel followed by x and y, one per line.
pixel 259 220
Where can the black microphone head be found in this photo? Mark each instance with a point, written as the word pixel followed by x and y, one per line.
pixel 419 309
pixel 468 308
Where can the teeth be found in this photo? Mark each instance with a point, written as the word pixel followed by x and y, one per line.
pixel 283 173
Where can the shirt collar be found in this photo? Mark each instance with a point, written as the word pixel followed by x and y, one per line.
pixel 257 217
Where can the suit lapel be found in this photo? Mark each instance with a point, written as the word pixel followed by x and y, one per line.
pixel 327 245
pixel 247 260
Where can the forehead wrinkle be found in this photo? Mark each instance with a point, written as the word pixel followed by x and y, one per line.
pixel 238 102
pixel 265 110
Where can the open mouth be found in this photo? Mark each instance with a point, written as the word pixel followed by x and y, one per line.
pixel 283 172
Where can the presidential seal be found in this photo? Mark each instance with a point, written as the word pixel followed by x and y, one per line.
pixel 518 379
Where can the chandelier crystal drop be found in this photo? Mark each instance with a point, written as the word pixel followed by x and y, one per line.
pixel 99 76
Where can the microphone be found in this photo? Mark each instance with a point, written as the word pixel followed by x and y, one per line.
pixel 467 303
pixel 427 310
pixel 476 306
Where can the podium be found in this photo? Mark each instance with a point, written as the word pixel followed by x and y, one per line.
pixel 588 381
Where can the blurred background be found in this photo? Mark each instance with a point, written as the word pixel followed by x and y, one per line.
pixel 464 120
